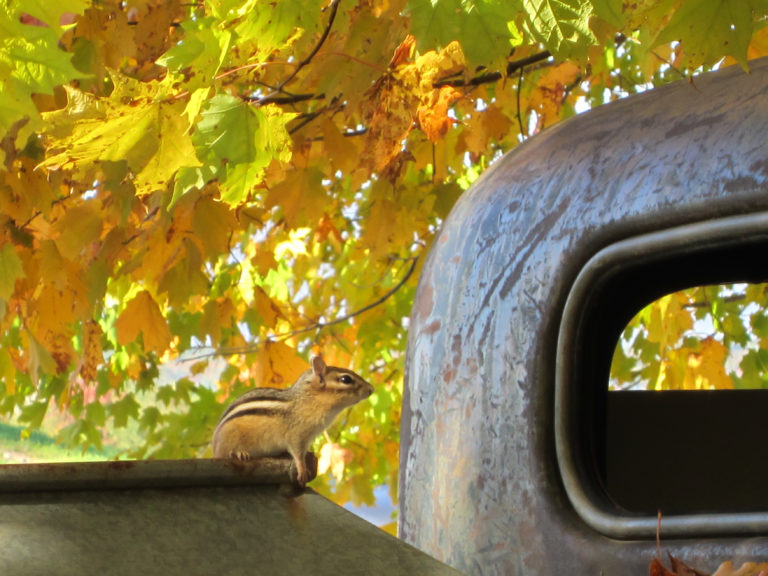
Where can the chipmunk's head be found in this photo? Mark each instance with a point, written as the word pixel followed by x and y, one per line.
pixel 344 384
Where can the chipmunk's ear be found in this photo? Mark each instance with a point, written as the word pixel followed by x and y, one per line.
pixel 318 369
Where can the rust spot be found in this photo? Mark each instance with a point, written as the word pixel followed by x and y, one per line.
pixel 424 303
pixel 431 328
pixel 121 465
pixel 456 348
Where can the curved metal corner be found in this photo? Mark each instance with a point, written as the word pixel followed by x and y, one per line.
pixel 587 499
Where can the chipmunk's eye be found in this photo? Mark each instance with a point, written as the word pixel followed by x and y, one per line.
pixel 345 379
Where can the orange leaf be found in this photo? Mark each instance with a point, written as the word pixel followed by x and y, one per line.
pixel 266 308
pixel 433 114
pixel 213 223
pixel 78 228
pixel 142 316
pixel 658 569
pixel 746 569
pixel 92 354
pixel 278 365
pixel 301 194
pixel 403 52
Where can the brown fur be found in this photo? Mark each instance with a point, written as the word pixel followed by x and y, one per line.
pixel 269 421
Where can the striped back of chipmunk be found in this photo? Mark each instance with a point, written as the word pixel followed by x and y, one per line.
pixel 258 402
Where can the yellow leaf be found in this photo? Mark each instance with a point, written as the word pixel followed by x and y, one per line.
pixel 78 229
pixel 173 149
pixel 217 314
pixel 342 151
pixel 142 316
pixel 379 229
pixel 264 261
pixel 301 196
pixel 490 124
pixel 390 528
pixel 10 271
pixel 52 266
pixel 213 223
pixel 548 96
pixel 40 360
pixel 706 367
pixel 295 245
pixel 746 569
pixel 266 308
pixel 334 458
pixel 278 365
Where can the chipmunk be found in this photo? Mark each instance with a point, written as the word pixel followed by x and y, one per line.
pixel 272 421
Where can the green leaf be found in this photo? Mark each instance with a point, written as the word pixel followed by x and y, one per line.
pixel 708 29
pixel 245 139
pixel 123 409
pixel 202 50
pixel 485 28
pixel 15 103
pixel 561 25
pixel 435 24
pixel 36 60
pixel 33 414
pixel 51 12
pixel 488 31
pixel 611 11
pixel 10 271
pixel 272 24
pixel 95 414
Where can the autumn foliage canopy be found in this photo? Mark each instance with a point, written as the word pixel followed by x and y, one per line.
pixel 227 186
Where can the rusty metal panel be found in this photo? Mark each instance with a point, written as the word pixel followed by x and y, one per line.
pixel 481 487
pixel 185 518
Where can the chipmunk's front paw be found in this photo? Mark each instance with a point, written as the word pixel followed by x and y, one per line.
pixel 241 455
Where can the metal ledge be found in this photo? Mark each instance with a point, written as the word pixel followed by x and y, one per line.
pixel 588 500
pixel 121 474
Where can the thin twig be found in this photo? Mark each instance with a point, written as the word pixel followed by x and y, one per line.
pixel 308 59
pixel 312 327
pixel 490 77
pixel 285 98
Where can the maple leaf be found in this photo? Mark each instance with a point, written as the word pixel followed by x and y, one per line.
pixel 278 365
pixel 173 150
pixel 709 28
pixel 142 316
pixel 300 196
pixel 92 354
pixel 433 114
pixel 244 139
pixel 10 271
pixel 335 458
pixel 481 27
pixel 746 569
pixel 80 226
pixel 53 13
pixel 561 25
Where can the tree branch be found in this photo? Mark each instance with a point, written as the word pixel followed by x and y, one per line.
pixel 490 77
pixel 317 325
pixel 312 54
